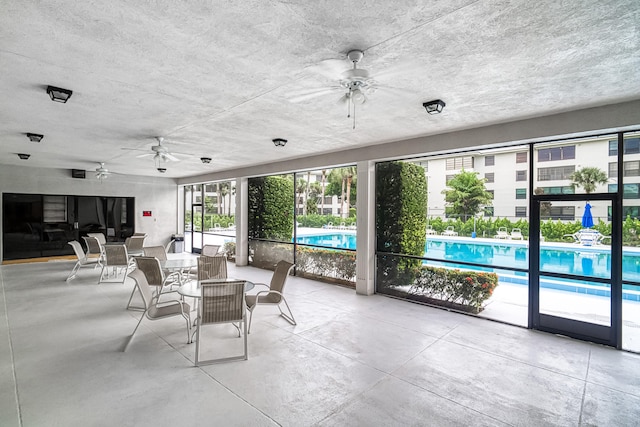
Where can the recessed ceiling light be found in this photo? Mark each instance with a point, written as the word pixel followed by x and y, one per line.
pixel 24 156
pixel 34 137
pixel 205 159
pixel 58 94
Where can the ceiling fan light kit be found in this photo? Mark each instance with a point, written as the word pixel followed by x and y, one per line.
pixel 434 107
pixel 34 137
pixel 102 173
pixel 279 142
pixel 58 94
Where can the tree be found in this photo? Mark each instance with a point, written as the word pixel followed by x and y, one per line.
pixel 466 195
pixel 342 182
pixel 545 207
pixel 589 178
pixel 324 178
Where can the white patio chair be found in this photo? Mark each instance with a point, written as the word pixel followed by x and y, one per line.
pixel 99 236
pixel 154 310
pixel 430 230
pixel 502 233
pixel 115 258
pixel 83 261
pixel 135 245
pixel 210 250
pixel 212 267
pixel 450 231
pixel 221 301
pixel 274 294
pixel 516 234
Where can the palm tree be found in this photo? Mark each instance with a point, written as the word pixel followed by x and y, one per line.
pixel 324 177
pixel 350 172
pixel 589 178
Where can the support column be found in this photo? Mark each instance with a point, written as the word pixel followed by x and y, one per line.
pixel 242 222
pixel 366 229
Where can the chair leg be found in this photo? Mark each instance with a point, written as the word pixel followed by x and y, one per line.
pixel 197 341
pixel 133 291
pixel 250 317
pixel 101 274
pixel 289 318
pixel 134 331
pixel 74 271
pixel 246 350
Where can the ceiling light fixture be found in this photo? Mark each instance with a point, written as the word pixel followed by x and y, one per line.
pixel 58 94
pixel 279 142
pixel 162 170
pixel 34 137
pixel 24 156
pixel 434 107
pixel 205 159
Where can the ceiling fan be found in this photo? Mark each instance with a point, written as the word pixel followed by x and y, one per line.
pixel 102 173
pixel 160 152
pixel 355 84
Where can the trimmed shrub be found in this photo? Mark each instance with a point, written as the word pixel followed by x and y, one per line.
pixel 327 263
pixel 271 208
pixel 401 223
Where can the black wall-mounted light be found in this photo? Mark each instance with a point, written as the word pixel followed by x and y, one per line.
pixel 434 107
pixel 279 142
pixel 205 159
pixel 24 156
pixel 58 94
pixel 34 137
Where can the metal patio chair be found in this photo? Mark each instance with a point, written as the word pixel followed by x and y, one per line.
pixel 83 260
pixel 274 294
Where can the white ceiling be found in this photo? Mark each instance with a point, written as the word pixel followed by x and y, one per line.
pixel 218 79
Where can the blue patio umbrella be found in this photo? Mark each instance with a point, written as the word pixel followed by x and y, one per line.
pixel 587 218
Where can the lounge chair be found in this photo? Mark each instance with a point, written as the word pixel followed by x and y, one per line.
pixel 449 232
pixel 502 233
pixel 516 234
pixel 430 230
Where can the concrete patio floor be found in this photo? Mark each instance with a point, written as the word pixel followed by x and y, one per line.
pixel 351 360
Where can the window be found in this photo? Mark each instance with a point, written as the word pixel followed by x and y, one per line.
pixel 521 193
pixel 328 200
pixel 558 190
pixel 491 193
pixel 631 168
pixel 567 213
pixel 521 175
pixel 630 191
pixel 54 208
pixel 488 211
pixel 521 157
pixel 557 173
pixel 613 170
pixel 490 160
pixel 521 211
pixel 557 153
pixel 449 178
pixel 631 146
pixel 454 163
pixel 489 177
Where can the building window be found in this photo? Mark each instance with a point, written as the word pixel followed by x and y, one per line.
pixel 631 146
pixel 521 175
pixel 521 157
pixel 557 153
pixel 558 190
pixel 491 194
pixel 629 191
pixel 521 193
pixel 631 168
pixel 489 160
pixel 557 173
pixel 613 170
pixel 489 177
pixel 463 162
pixel 566 213
pixel 521 211
pixel 449 178
pixel 488 211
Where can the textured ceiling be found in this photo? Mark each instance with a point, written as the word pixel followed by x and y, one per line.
pixel 220 79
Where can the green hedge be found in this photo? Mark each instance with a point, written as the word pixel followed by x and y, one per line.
pixel 271 208
pixel 320 221
pixel 330 263
pixel 466 288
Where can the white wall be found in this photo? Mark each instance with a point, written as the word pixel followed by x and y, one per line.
pixel 151 194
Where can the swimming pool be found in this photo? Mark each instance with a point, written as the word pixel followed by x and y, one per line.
pixel 592 261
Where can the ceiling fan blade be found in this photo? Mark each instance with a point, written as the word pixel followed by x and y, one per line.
pixel 400 69
pixel 343 99
pixel 171 157
pixel 314 94
pixel 331 69
pixel 145 155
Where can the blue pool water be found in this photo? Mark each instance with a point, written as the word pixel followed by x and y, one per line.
pixel 578 260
